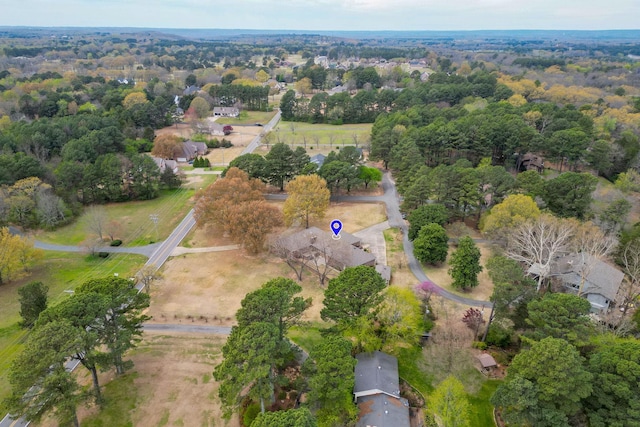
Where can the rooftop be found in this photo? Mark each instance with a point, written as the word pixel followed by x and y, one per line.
pixel 377 371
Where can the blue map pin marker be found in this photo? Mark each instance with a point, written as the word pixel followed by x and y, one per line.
pixel 336 227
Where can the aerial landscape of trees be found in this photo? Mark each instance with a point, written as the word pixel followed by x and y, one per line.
pixel 509 155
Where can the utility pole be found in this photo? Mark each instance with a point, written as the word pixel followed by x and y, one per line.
pixel 155 218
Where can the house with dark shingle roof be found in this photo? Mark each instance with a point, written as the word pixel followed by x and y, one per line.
pixel 590 277
pixel 340 253
pixel 192 149
pixel 377 392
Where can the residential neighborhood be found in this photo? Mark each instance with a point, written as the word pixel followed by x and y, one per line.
pixel 319 227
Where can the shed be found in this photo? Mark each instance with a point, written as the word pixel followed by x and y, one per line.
pixel 487 363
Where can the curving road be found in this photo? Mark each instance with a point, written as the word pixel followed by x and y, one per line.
pixel 392 202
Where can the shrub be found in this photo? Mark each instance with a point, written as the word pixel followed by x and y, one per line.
pixel 250 414
pixel 479 345
pixel 116 242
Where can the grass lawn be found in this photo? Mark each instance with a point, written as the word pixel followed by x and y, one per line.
pixel 248 118
pixel 60 271
pixel 306 336
pixel 121 398
pixel 481 408
pixel 328 136
pixel 133 217
pixel 412 368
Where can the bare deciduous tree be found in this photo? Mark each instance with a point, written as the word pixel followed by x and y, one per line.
pixel 279 248
pixel 332 139
pixel 50 207
pixel 447 351
pixel 113 228
pixel 540 241
pixel 356 139
pixel 148 274
pixel 96 220
pixel 630 289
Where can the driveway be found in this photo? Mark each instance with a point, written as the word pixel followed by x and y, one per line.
pixel 373 239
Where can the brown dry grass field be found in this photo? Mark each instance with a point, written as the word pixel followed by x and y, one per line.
pixel 171 384
pixel 440 275
pixel 208 287
pixel 354 217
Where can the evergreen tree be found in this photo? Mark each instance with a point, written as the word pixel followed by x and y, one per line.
pixel 465 264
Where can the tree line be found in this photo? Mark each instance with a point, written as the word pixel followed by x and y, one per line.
pixel 252 97
pixel 367 105
pixel 342 171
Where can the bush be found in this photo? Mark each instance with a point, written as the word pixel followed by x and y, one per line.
pixel 479 345
pixel 216 143
pixel 250 414
pixel 116 242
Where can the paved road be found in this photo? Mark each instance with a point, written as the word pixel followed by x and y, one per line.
pixel 178 327
pixel 160 255
pixel 266 128
pixel 392 202
pixel 373 238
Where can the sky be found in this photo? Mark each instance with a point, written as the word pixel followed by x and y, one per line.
pixel 328 15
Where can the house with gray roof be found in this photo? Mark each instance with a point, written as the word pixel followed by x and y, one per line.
pixel 166 163
pixel 377 392
pixel 191 90
pixel 340 253
pixel 318 159
pixel 589 277
pixel 192 149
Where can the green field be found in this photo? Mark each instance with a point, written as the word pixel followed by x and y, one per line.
pixel 134 218
pixel 248 118
pixel 321 136
pixel 60 271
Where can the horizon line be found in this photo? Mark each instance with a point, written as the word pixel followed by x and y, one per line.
pixel 313 30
